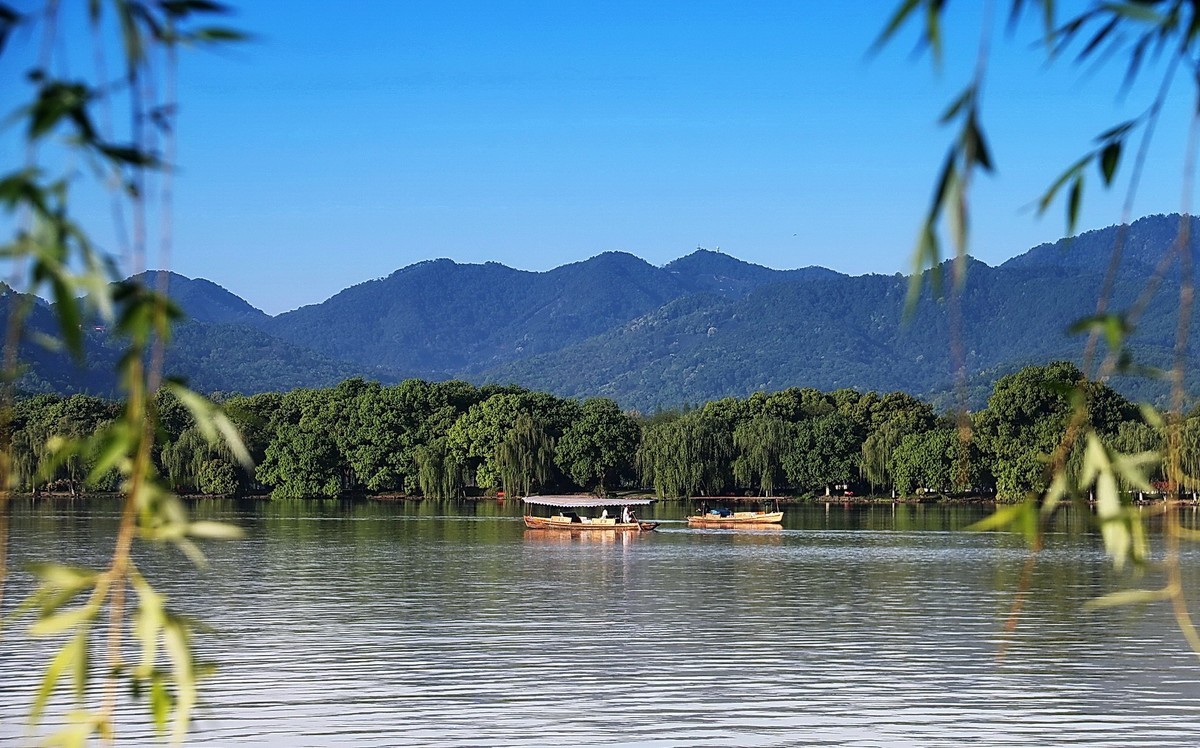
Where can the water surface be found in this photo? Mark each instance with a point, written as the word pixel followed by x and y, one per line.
pixel 378 624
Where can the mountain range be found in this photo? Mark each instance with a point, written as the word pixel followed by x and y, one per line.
pixel 704 326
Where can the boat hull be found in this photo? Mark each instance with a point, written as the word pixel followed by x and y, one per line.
pixel 737 519
pixel 551 523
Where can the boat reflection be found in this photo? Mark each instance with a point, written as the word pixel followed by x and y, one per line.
pixel 557 537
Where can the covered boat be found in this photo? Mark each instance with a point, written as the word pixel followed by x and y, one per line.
pixel 723 517
pixel 616 515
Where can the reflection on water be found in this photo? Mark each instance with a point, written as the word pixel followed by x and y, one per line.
pixel 397 624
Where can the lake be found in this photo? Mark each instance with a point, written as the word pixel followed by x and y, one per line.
pixel 448 624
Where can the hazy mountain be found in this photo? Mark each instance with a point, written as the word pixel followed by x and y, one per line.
pixel 440 318
pixel 716 272
pixel 205 301
pixel 1143 245
pixel 704 326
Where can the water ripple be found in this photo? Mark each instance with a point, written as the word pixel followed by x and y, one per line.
pixel 466 631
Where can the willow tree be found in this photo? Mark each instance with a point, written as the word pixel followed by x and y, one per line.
pixel 69 119
pixel 761 444
pixel 439 473
pixel 877 451
pixel 525 457
pixel 686 456
pixel 1159 38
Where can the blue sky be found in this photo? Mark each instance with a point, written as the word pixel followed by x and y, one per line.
pixel 351 139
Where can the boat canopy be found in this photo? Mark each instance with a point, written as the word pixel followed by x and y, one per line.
pixel 583 501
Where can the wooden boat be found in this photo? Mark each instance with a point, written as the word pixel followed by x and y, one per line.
pixel 724 518
pixel 569 520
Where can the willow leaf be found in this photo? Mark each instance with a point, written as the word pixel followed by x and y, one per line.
pixel 1127 597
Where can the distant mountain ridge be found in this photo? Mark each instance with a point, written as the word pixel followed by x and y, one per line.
pixel 703 326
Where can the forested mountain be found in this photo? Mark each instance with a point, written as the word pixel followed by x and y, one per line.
pixel 205 301
pixel 704 326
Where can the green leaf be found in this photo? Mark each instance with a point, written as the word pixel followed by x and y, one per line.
pixel 214 530
pixel 183 8
pixel 1114 326
pixel 217 34
pixel 1074 201
pixel 903 11
pixel 964 99
pixel 1151 415
pixel 978 144
pixel 1110 157
pixel 66 658
pixel 129 155
pixel 1117 132
pixel 1052 191
pixel 62 622
pixel 212 422
pixel 9 19
pixel 1127 597
pixel 70 322
pixel 160 704
pixel 177 642
pixel 1136 11
pixel 1018 517
pixel 59 100
pixel 1056 493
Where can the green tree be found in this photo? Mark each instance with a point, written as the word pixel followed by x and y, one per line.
pixel 937 461
pixel 825 452
pixel 1027 419
pixel 525 457
pixel 301 463
pixel 62 129
pixel 761 443
pixel 686 456
pixel 599 446
pixel 439 474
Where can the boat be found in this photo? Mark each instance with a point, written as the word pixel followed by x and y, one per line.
pixel 568 519
pixel 724 517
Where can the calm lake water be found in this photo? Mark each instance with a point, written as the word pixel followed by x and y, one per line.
pixel 429 624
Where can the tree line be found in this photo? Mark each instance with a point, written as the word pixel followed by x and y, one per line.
pixel 454 439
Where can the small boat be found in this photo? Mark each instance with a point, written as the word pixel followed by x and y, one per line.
pixel 724 517
pixel 567 519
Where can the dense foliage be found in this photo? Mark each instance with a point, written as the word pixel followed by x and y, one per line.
pixel 450 439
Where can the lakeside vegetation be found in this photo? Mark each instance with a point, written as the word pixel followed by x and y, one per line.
pixel 453 439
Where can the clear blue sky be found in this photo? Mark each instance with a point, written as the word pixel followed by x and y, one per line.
pixel 352 139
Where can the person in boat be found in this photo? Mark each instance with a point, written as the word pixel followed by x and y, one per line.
pixel 625 515
pixel 604 514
